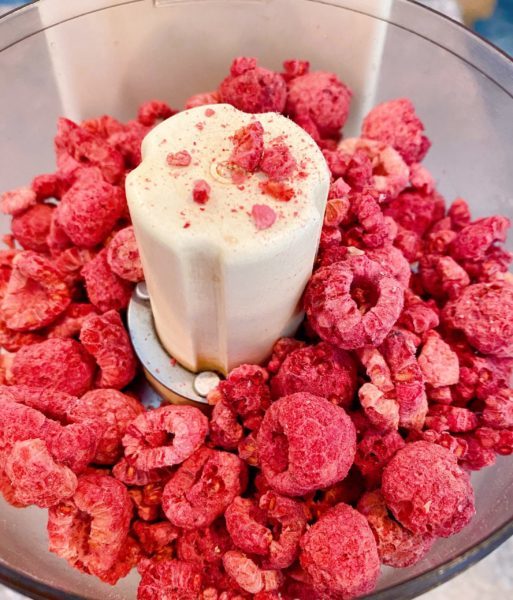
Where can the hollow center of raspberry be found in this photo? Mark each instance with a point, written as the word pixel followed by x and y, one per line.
pixel 364 294
pixel 280 452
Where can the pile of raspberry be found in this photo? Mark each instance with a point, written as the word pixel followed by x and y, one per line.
pixel 350 449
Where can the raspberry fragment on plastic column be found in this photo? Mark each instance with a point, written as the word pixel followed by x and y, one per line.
pixel 105 338
pixel 305 443
pixel 123 256
pixel 35 295
pixel 146 439
pixel 277 161
pixel 353 303
pixel 427 491
pixel 248 146
pixel 263 216
pixel 340 555
pixel 201 192
pixel 182 158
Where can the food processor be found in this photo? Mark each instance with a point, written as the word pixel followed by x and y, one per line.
pixel 84 58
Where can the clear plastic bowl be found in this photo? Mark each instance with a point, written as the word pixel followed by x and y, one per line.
pixel 90 57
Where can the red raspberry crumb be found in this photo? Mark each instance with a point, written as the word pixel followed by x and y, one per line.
pixel 179 159
pixel 263 216
pixel 248 144
pixel 201 192
pixel 277 190
pixel 277 161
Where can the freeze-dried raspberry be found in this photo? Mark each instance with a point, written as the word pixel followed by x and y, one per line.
pixel 225 429
pixel 451 418
pixel 340 555
pixel 337 210
pixel 12 341
pixel 104 126
pixel 46 186
pixel 426 490
pixel 55 364
pixel 389 175
pixel 35 295
pixel 75 445
pixel 305 443
pixel 248 144
pixel 353 303
pixel 104 288
pixel 128 142
pixel 281 349
pixel 439 242
pixel 152 111
pixel 456 445
pixel 277 161
pixel 114 411
pixel 32 227
pixel 70 322
pixel 370 225
pixel 245 390
pixel 408 380
pixel 498 411
pixel 382 411
pixel 17 201
pixel 418 315
pixel 263 216
pixel 459 213
pixel 392 261
pixel 53 404
pixel 397 547
pixel 373 453
pixel 493 267
pixel 57 240
pixel 438 362
pixel 105 338
pixel 202 488
pixel 154 536
pixel 89 210
pixel 321 99
pixel 295 68
pixel 204 546
pixel 376 367
pixel 17 424
pixel 481 376
pixel 248 575
pixel 182 158
pixel 396 123
pixel 36 477
pixel 474 240
pixel 164 437
pixel 123 256
pixel 322 370
pixel 409 243
pixel 477 456
pixel 90 529
pixel 421 179
pixel 201 192
pixel 202 99
pixel 253 89
pixel 88 149
pixel 414 210
pixel 246 524
pixel 277 190
pixel 170 579
pixel 442 277
pixel 483 312
pixel 129 475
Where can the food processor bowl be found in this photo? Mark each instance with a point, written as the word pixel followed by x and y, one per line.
pixel 84 58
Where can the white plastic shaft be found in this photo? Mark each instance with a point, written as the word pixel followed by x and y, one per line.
pixel 222 290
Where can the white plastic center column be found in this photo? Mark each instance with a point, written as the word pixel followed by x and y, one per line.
pixel 222 289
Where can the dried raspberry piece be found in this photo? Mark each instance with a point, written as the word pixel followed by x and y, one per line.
pixel 170 579
pixel 263 216
pixel 388 173
pixel 105 338
pixel 478 455
pixel 32 227
pixel 8 492
pixel 146 439
pixel 245 390
pixel 57 240
pixel 475 239
pixel 202 488
pixel 459 213
pixel 408 380
pixel 12 341
pixel 409 243
pixel 414 210
pixel 123 256
pixel 337 209
pixel 339 553
pixel 295 68
pixel 248 144
pixel 225 429
pixel 55 364
pixel 75 445
pixel 36 477
pixel 382 412
pixel 253 89
pixel 90 529
pixel 17 424
pixel 112 410
pixel 322 370
pixel 396 123
pixel 128 142
pixel 89 210
pixel 104 126
pixel 374 452
pixel 104 288
pixel 377 369
pixel 397 547
pixel 204 546
pixel 354 303
pixel 426 490
pixel 16 202
pixel 35 295
pixel 246 524
pixel 371 227
pixel 450 418
pixel 498 411
pixel 438 362
pixel 281 349
pixel 277 190
pixel 392 261
pixel 248 575
pixel 321 99
pixel 201 192
pixel 483 312
pixel 305 443
pixel 439 242
pixel 418 315
pixel 202 99
pixel 421 179
pixel 129 475
pixel 181 158
pixel 277 161
pixel 152 111
pixel 442 277
pixel 88 149
pixel 154 536
pixel 46 186
pixel 70 323
pixel 52 403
